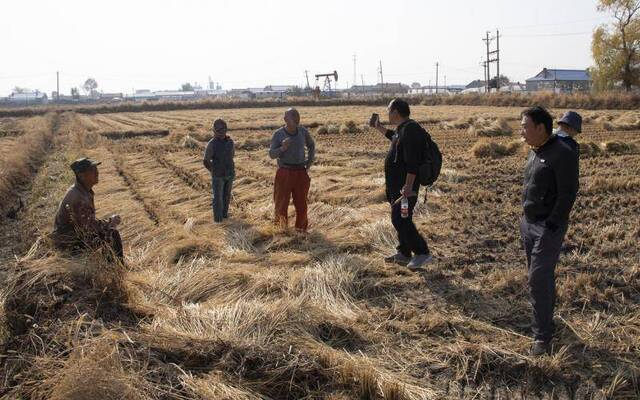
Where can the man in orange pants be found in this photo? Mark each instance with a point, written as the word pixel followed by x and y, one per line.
pixel 292 178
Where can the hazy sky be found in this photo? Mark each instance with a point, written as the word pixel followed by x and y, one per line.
pixel 134 44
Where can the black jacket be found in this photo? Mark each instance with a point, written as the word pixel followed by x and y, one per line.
pixel 550 183
pixel 571 142
pixel 405 155
pixel 218 158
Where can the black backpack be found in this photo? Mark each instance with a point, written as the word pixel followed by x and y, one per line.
pixel 429 170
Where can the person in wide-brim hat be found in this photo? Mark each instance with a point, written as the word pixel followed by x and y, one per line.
pixel 569 126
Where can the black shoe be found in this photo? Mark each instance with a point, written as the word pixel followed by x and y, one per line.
pixel 398 258
pixel 540 348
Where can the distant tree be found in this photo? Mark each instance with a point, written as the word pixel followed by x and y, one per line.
pixel 616 48
pixel 416 85
pixel 295 91
pixel 90 86
pixel 19 89
pixel 504 81
pixel 75 93
pixel 187 87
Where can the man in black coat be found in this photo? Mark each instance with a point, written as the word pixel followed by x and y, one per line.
pixel 401 167
pixel 550 189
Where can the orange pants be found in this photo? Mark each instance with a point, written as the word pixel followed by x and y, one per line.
pixel 291 183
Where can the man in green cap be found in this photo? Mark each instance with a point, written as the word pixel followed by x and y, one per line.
pixel 75 226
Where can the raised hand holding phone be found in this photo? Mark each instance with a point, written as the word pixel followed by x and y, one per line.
pixel 285 144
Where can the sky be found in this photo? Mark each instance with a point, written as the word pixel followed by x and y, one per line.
pixel 140 44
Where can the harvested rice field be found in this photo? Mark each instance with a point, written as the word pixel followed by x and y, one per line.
pixel 245 310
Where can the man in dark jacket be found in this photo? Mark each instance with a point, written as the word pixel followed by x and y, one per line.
pixel 401 166
pixel 218 159
pixel 550 189
pixel 76 226
pixel 569 126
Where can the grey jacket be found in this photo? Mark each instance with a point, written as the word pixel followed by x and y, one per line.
pixel 295 153
pixel 218 158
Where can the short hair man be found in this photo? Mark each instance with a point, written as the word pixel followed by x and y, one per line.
pixel 76 226
pixel 292 178
pixel 569 126
pixel 550 188
pixel 218 159
pixel 401 169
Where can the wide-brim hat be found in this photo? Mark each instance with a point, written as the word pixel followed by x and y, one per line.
pixel 573 119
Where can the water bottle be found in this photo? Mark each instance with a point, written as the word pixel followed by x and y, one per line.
pixel 404 207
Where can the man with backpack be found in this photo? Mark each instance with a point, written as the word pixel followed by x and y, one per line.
pixel 413 159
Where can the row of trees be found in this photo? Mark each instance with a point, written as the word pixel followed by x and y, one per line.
pixel 89 87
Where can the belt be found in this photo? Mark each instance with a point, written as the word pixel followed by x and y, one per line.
pixel 293 166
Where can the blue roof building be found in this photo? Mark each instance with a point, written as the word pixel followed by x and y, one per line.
pixel 560 81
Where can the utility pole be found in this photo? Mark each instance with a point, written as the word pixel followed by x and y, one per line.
pixel 437 70
pixel 445 84
pixel 488 42
pixel 58 86
pixel 381 76
pixel 306 73
pixel 496 59
pixel 355 76
pixel 486 74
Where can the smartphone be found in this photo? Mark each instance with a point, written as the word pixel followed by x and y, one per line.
pixel 373 121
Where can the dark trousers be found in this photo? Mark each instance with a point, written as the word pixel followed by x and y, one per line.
pixel 112 242
pixel 221 190
pixel 409 239
pixel 542 247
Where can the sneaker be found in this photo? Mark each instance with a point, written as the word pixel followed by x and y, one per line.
pixel 397 258
pixel 540 348
pixel 419 261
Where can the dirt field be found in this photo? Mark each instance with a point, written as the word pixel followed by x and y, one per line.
pixel 243 310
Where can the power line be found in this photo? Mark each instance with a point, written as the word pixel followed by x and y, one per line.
pixel 556 23
pixel 549 34
pixel 25 76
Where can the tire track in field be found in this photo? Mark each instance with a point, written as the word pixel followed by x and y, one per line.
pixel 167 195
pixel 132 185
